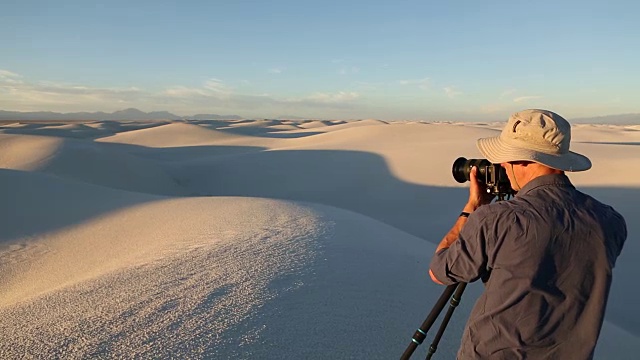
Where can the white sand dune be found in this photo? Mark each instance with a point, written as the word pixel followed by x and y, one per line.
pixel 169 135
pixel 340 125
pixel 63 129
pixel 255 123
pixel 285 127
pixel 376 170
pixel 303 244
pixel 71 128
pixel 86 161
pixel 251 127
pixel 180 141
pixel 113 127
pixel 315 124
pixel 606 134
pixel 413 152
pixel 25 152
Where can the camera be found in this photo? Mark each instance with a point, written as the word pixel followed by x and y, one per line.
pixel 493 176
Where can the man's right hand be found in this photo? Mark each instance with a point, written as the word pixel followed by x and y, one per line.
pixel 478 194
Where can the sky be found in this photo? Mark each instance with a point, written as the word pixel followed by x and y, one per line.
pixel 389 60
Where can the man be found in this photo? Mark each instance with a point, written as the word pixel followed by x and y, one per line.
pixel 547 254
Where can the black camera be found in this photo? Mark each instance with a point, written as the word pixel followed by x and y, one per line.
pixel 493 176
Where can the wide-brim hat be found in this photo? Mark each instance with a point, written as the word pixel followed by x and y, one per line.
pixel 535 135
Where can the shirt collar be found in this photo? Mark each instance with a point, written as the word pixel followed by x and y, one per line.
pixel 545 180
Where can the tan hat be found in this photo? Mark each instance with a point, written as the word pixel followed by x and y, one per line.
pixel 535 135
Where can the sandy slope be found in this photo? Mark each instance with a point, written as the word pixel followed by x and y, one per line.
pixel 97 261
pixel 201 269
pixel 169 135
pixel 86 161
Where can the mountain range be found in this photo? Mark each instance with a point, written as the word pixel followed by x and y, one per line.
pixel 126 114
pixel 621 119
pixel 135 114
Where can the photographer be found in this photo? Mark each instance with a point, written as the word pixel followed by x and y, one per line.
pixel 546 256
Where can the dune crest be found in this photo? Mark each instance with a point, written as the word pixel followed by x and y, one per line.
pixel 86 161
pixel 169 135
pixel 26 152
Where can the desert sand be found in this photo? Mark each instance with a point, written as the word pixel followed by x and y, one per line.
pixel 255 239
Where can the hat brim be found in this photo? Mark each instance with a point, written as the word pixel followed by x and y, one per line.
pixel 497 151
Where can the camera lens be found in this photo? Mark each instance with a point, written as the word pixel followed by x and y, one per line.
pixel 462 168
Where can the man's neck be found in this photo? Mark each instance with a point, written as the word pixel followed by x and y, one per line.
pixel 535 170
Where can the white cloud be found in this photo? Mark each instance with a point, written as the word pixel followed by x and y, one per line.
pixel 214 95
pixel 420 83
pixel 451 92
pixel 339 97
pixel 8 74
pixel 507 93
pixel 8 77
pixel 217 86
pixel 183 91
pixel 212 87
pixel 526 98
pixel 368 86
pixel 493 108
pixel 349 70
pixel 276 71
pixel 62 97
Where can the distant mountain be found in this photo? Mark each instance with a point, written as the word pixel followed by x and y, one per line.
pixel 621 119
pixel 126 114
pixel 290 117
pixel 212 117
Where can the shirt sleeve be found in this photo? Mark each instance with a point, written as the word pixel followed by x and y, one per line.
pixel 466 259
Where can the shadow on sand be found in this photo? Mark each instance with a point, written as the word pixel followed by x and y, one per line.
pixel 34 203
pixel 259 128
pixel 77 129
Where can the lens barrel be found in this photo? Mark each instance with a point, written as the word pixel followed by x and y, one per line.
pixel 462 169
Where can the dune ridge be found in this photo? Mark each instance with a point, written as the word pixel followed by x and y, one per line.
pixel 86 161
pixel 169 135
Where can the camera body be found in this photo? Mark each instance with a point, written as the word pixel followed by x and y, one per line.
pixel 493 176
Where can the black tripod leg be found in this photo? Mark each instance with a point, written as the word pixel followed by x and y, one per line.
pixel 455 300
pixel 421 333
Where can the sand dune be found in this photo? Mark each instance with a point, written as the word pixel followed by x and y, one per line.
pixel 340 125
pixel 24 152
pixel 123 126
pixel 606 133
pixel 67 130
pixel 86 161
pixel 134 264
pixel 314 124
pixel 124 238
pixel 285 127
pixel 413 152
pixel 169 135
pixel 285 239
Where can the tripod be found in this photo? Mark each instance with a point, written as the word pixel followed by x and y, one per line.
pixel 421 333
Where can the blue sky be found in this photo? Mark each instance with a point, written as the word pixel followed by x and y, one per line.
pixel 417 59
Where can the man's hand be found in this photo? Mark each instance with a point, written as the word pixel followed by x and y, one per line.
pixel 478 195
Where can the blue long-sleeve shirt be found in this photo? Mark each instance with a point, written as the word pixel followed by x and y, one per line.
pixel 547 257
